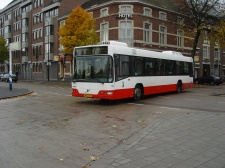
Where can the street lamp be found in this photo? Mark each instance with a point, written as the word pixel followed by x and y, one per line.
pixel 48 44
pixel 10 67
pixel 48 26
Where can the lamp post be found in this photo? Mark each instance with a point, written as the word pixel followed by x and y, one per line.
pixel 10 67
pixel 48 26
pixel 48 44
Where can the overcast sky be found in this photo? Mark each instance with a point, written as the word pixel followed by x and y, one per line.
pixel 3 3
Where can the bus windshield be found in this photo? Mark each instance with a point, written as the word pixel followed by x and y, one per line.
pixel 93 68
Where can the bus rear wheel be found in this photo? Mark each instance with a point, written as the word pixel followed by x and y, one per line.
pixel 138 92
pixel 179 87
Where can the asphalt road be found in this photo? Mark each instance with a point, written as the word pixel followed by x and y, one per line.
pixel 50 128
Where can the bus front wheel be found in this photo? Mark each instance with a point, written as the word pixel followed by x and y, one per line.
pixel 138 92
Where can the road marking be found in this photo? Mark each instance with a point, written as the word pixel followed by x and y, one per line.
pixel 53 93
pixel 170 108
pixel 136 104
pixel 167 97
pixel 200 94
pixel 192 99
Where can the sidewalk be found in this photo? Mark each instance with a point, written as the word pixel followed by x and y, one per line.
pixel 5 93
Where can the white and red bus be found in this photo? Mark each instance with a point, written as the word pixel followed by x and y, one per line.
pixel 112 70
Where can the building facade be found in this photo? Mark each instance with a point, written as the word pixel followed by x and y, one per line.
pixel 33 26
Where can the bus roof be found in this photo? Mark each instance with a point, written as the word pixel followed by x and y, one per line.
pixel 116 47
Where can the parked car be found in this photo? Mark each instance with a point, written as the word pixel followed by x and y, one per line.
pixel 223 78
pixel 1 75
pixel 209 79
pixel 5 77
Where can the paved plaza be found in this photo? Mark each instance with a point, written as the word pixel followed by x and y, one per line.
pixel 177 138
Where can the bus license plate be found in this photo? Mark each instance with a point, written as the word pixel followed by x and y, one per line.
pixel 87 95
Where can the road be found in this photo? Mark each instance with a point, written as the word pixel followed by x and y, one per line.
pixel 50 128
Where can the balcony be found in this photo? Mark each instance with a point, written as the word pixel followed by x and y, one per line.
pixel 25 29
pixel 50 40
pixel 25 15
pixel 24 44
pixel 24 59
pixel 7 35
pixel 7 22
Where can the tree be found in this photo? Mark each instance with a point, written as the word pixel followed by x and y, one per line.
pixel 200 15
pixel 4 53
pixel 78 30
pixel 217 33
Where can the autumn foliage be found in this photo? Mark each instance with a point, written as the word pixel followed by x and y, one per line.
pixel 4 53
pixel 217 33
pixel 78 30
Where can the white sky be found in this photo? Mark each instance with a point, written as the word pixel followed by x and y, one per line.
pixel 3 3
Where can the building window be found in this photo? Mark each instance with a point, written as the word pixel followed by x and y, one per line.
pixel 125 33
pixel 16 13
pixel 216 53
pixel 206 51
pixel 147 32
pixel 49 47
pixel 147 11
pixel 34 67
pixel 41 33
pixel 51 13
pixel 126 9
pixel 104 31
pixel 17 38
pixel 162 15
pixel 205 36
pixel 40 50
pixel 8 16
pixel 162 35
pixel 49 30
pixel 180 38
pixel 104 12
pixel 34 35
pixel 34 50
pixel 40 67
pixel 25 51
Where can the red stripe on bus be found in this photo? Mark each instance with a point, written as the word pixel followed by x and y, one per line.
pixel 128 93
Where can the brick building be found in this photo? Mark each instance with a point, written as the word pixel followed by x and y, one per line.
pixel 32 26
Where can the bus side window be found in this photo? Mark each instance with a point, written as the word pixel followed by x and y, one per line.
pixel 190 69
pixel 124 65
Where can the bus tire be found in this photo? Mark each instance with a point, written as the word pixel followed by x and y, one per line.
pixel 179 87
pixel 138 92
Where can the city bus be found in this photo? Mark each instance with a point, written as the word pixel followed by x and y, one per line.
pixel 112 70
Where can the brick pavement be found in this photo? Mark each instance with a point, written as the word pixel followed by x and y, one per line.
pixel 180 140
